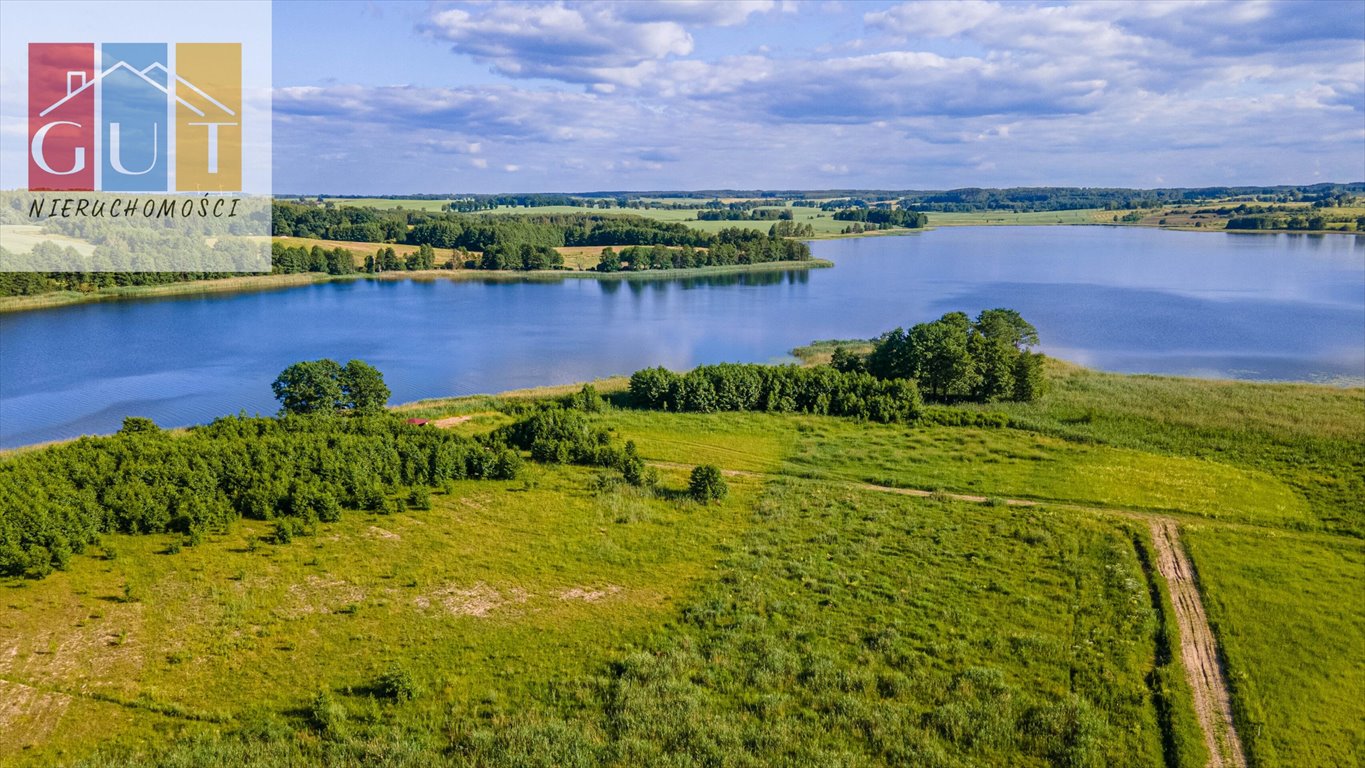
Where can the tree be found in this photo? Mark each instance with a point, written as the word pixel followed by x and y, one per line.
pixel 134 424
pixel 707 484
pixel 1028 376
pixel 940 359
pixel 309 387
pixel 362 387
pixel 997 340
pixel 847 362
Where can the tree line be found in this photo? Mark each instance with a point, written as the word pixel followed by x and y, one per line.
pixel 730 246
pixel 332 447
pixel 745 214
pixel 1314 220
pixel 820 390
pixel 952 359
pixel 297 470
pixel 883 218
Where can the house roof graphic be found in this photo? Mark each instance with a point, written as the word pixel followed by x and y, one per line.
pixel 142 73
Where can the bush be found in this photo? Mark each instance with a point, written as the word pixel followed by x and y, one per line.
pixel 707 484
pixel 327 714
pixel 560 436
pixel 420 498
pixel 396 683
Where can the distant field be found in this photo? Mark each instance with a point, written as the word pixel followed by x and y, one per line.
pixel 825 226
pixel 395 204
pixel 20 238
pixel 988 218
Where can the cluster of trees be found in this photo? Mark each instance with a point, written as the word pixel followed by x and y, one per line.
pixel 562 433
pixel 1315 220
pixel 387 260
pixel 791 229
pixel 883 218
pixel 284 259
pixel 476 232
pixel 77 279
pixel 290 259
pixel 732 246
pixel 325 386
pixel 955 358
pixel 782 389
pixel 523 257
pixel 327 222
pixel 295 469
pixel 742 214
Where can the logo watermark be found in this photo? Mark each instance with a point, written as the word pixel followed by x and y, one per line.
pixel 144 152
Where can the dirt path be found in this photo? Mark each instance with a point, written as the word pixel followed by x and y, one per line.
pixel 1198 649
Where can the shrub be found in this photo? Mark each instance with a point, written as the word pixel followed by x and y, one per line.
pixel 420 498
pixel 327 714
pixel 396 683
pixel 707 484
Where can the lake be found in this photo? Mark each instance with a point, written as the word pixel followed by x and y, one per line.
pixel 1250 306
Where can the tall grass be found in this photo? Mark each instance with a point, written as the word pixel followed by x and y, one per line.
pixel 1289 618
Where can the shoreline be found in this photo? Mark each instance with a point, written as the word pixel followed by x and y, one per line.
pixel 273 282
pixel 270 282
pixel 809 354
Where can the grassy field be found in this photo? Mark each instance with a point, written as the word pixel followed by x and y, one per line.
pixel 1287 608
pixel 397 204
pixel 501 590
pixel 822 221
pixel 810 619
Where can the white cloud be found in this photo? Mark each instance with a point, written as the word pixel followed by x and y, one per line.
pixel 934 95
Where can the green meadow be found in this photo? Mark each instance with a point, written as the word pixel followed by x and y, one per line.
pixel 815 617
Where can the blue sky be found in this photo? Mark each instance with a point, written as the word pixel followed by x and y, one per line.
pixel 391 98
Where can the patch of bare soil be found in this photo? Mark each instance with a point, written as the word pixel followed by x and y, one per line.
pixel 1198 649
pixel 589 595
pixel 28 715
pixel 318 595
pixel 478 600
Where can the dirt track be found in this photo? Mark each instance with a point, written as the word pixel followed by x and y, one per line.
pixel 1198 649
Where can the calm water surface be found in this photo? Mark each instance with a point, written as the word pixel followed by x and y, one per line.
pixel 1120 299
